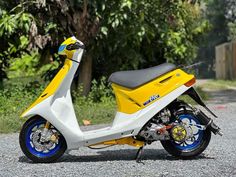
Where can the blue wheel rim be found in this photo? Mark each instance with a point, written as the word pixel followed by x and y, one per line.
pixel 31 149
pixel 198 135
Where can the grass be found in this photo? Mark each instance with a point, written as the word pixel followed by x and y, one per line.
pixel 97 113
pixel 218 84
pixel 10 110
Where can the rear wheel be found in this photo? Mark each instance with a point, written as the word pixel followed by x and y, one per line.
pixel 38 149
pixel 192 147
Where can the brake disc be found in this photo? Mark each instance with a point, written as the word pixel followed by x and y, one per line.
pixel 38 144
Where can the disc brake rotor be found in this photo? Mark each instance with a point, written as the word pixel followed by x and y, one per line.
pixel 39 145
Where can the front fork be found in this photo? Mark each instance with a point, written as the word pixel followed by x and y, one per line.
pixel 45 132
pixel 46 135
pixel 47 125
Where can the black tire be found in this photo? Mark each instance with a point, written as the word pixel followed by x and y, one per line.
pixel 188 154
pixel 36 158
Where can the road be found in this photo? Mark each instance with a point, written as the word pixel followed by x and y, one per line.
pixel 219 159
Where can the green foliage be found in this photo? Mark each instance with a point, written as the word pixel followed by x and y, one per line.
pixel 11 23
pixel 230 10
pixel 24 66
pixel 99 106
pixel 96 112
pixel 14 98
pixel 184 38
pixel 14 27
pixel 217 34
pixel 123 34
pixel 100 91
pixel 232 30
pixel 28 65
pixel 221 18
pixel 145 33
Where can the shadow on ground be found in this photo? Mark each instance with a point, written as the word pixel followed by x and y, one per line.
pixel 118 155
pixel 222 96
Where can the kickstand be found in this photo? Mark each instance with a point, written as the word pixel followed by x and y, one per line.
pixel 139 154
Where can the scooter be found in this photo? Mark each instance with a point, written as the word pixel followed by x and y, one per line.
pixel 148 110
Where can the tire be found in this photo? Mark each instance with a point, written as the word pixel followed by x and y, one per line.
pixel 189 151
pixel 26 142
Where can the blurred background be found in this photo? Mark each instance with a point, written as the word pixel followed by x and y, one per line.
pixel 118 35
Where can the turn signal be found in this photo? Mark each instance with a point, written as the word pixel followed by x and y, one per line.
pixel 191 82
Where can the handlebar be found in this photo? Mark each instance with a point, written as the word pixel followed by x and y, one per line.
pixel 75 46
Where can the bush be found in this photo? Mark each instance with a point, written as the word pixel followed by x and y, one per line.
pixel 14 99
pixel 98 106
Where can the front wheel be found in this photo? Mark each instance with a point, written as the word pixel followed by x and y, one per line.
pixel 41 149
pixel 190 147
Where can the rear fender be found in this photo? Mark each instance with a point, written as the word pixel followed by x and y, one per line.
pixel 196 97
pixel 207 121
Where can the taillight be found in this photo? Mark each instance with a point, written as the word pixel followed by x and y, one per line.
pixel 191 82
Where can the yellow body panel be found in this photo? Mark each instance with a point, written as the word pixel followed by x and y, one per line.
pixel 53 85
pixel 129 141
pixel 132 100
pixel 63 51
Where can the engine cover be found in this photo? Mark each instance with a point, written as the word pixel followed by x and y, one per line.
pixel 155 132
pixel 179 133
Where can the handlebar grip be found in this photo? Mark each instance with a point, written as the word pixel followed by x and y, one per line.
pixel 75 46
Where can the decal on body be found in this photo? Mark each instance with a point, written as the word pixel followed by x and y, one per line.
pixel 151 99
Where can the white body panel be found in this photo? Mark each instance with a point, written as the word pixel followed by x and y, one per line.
pixel 58 110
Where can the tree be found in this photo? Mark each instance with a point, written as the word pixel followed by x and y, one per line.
pixel 150 33
pixel 230 15
pixel 118 34
pixel 222 19
pixel 13 35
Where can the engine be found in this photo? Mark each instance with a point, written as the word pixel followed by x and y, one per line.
pixel 157 127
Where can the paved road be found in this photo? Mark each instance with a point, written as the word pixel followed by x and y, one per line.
pixel 219 159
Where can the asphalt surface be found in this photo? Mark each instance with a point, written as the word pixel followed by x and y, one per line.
pixel 219 159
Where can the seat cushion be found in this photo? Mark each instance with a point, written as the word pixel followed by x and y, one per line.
pixel 136 78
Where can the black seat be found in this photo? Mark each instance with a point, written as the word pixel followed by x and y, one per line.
pixel 135 78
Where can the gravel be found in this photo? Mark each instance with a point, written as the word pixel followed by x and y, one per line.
pixel 217 160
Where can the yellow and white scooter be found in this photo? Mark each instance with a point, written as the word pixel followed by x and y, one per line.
pixel 147 110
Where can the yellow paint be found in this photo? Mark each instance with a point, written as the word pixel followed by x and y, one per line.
pixel 178 133
pixel 68 53
pixel 131 100
pixel 129 141
pixel 53 85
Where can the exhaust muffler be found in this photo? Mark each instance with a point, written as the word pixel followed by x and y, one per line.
pixel 208 122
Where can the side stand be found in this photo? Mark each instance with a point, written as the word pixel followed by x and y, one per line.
pixel 139 154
